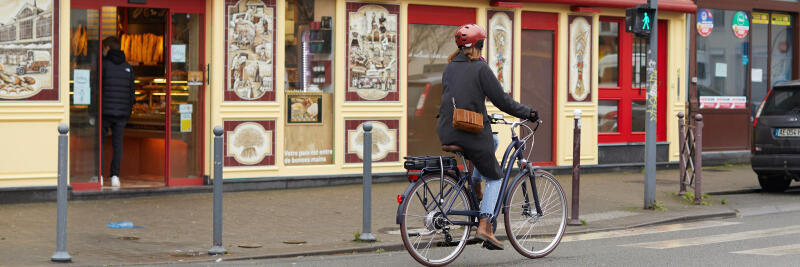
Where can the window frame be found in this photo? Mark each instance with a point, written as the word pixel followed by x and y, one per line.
pixel 625 92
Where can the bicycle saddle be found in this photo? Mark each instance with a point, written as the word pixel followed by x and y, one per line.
pixel 452 148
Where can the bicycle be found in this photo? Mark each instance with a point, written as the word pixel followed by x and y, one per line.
pixel 437 212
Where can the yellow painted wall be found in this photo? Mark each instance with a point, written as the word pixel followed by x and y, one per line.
pixel 28 134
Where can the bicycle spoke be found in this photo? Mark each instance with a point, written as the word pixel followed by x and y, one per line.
pixel 535 235
pixel 431 238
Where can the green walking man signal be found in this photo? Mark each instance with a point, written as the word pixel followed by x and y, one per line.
pixel 638 20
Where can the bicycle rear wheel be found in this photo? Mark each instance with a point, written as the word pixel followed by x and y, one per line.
pixel 430 236
pixel 532 234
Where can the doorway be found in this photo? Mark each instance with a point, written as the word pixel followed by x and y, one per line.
pixel 163 137
pixel 539 37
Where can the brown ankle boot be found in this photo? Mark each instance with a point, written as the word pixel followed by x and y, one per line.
pixel 484 232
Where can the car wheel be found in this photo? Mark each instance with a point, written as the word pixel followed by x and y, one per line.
pixel 774 183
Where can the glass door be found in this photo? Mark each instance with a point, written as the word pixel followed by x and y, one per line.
pixel 186 88
pixel 772 44
pixel 84 57
pixel 141 31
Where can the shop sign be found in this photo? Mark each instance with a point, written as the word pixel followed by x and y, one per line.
pixel 186 122
pixel 186 117
pixel 28 55
pixel 178 53
pixel 741 25
pixel 81 89
pixel 705 22
pixel 580 59
pixel 250 51
pixel 195 78
pixel 781 19
pixel 385 140
pixel 304 108
pixel 372 52
pixel 723 102
pixel 760 18
pixel 501 25
pixel 185 108
pixel 249 143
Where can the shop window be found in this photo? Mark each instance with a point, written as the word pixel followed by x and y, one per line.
pixel 773 45
pixel 638 112
pixel 639 62
pixel 722 58
pixel 427 58
pixel 309 82
pixel 26 29
pixel 608 66
pixel 608 111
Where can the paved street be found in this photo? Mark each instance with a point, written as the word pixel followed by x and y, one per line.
pixel 266 224
pixel 748 241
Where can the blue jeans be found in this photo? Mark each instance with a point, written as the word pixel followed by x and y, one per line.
pixel 492 191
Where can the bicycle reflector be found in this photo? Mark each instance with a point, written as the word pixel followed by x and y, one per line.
pixel 399 199
pixel 413 176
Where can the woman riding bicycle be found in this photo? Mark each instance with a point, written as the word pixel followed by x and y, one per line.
pixel 468 81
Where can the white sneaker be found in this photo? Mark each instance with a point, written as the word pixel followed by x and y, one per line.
pixel 114 181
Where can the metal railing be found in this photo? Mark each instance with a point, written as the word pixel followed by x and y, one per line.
pixel 691 155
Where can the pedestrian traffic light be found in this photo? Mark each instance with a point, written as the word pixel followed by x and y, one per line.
pixel 639 19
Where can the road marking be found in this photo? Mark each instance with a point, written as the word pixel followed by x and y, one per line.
pixel 773 251
pixel 647 230
pixel 704 240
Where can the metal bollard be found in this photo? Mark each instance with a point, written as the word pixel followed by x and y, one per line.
pixel 576 169
pixel 61 254
pixel 217 248
pixel 698 159
pixel 682 149
pixel 366 233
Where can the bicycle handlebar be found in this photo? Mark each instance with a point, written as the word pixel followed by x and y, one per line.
pixel 515 123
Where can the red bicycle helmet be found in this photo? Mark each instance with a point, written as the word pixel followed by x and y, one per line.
pixel 469 35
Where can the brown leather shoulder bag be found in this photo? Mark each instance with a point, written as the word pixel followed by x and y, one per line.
pixel 465 120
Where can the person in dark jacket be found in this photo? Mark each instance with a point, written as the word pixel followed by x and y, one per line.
pixel 118 99
pixel 469 80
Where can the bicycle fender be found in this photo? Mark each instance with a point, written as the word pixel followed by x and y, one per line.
pixel 404 197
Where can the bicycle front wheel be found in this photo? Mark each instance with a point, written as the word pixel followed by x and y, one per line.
pixel 430 234
pixel 534 233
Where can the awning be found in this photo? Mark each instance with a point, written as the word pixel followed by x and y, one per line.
pixel 686 6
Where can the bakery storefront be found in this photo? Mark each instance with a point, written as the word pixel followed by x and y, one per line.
pixel 293 81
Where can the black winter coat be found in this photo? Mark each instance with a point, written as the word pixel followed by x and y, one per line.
pixel 470 82
pixel 118 86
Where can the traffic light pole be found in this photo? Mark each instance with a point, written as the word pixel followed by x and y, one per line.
pixel 650 128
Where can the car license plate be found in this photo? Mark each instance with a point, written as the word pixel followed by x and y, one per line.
pixel 787 132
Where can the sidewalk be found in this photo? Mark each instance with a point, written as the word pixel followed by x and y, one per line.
pixel 178 228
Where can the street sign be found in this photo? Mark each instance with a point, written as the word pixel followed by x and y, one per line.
pixel 639 20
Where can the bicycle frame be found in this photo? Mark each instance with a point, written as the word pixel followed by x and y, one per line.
pixel 512 155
